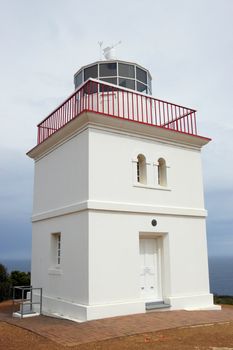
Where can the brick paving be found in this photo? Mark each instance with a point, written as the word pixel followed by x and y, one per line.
pixel 71 333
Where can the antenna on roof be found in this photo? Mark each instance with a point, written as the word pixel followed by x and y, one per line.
pixel 110 52
pixel 100 45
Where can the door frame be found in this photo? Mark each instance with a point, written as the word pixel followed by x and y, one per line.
pixel 161 270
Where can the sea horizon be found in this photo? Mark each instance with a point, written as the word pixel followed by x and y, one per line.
pixel 20 264
pixel 220 272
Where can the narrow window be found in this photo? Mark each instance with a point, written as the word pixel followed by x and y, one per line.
pixel 162 172
pixel 141 169
pixel 138 172
pixel 56 249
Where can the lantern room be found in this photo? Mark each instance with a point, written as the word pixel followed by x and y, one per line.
pixel 126 74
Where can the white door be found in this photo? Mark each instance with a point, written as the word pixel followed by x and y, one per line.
pixel 150 269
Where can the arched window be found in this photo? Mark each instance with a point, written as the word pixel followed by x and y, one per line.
pixel 162 172
pixel 141 169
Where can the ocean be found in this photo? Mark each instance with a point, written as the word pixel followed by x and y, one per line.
pixel 17 264
pixel 220 272
pixel 221 275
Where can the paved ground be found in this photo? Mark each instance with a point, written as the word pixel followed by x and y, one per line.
pixel 69 333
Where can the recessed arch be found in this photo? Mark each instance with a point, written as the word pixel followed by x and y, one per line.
pixel 162 172
pixel 141 169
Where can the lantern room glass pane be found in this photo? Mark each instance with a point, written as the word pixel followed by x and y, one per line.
pixel 126 70
pixel 141 87
pixel 108 69
pixel 110 80
pixel 91 72
pixel 141 75
pixel 105 88
pixel 128 83
pixel 78 79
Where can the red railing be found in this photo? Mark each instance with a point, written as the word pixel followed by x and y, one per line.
pixel 111 100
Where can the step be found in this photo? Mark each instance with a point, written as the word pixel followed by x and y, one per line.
pixel 157 305
pixel 28 314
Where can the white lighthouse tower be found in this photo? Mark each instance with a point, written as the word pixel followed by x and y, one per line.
pixel 118 217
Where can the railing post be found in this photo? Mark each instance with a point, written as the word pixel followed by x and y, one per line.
pixel 195 123
pixel 22 299
pixel 142 109
pixel 108 99
pixel 118 103
pixel 113 102
pixel 13 301
pixel 137 106
pixel 160 117
pixel 123 104
pixel 97 89
pixel 30 298
pixel 92 95
pixel 40 301
pixel 176 119
pixel 88 96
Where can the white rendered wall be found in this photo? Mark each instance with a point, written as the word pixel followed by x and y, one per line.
pixel 69 280
pixel 114 256
pixel 111 158
pixel 100 269
pixel 61 177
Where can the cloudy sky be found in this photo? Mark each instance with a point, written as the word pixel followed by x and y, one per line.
pixel 188 48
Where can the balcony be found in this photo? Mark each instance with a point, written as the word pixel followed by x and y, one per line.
pixel 117 102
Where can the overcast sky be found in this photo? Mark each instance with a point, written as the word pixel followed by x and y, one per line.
pixel 188 48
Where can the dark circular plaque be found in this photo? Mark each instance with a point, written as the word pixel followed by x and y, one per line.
pixel 153 222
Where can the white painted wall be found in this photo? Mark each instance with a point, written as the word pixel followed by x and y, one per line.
pixel 68 281
pixel 112 174
pixel 61 177
pixel 114 255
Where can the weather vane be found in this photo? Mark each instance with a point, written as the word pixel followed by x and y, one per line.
pixel 109 52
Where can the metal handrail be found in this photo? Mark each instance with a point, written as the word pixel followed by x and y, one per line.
pixel 24 301
pixel 114 101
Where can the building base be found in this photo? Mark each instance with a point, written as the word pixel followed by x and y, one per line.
pixel 80 312
pixel 192 302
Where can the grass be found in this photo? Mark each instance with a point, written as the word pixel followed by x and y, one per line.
pixel 223 299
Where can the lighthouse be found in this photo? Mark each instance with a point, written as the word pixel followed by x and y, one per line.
pixel 119 222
